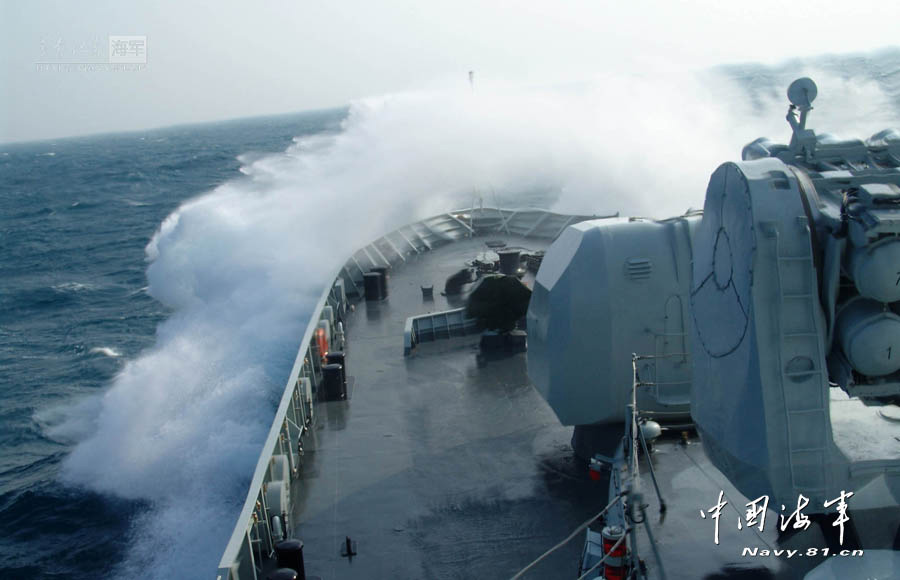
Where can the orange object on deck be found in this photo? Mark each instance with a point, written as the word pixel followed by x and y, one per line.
pixel 322 342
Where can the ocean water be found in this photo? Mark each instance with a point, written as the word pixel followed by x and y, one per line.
pixel 75 218
pixel 155 284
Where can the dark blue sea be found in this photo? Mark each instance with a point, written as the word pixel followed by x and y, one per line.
pixel 153 285
pixel 75 218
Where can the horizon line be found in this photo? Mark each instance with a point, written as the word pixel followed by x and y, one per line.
pixel 166 127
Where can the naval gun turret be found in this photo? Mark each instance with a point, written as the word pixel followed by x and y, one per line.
pixel 608 288
pixel 782 300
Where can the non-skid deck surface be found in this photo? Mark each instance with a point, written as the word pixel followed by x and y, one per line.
pixel 441 465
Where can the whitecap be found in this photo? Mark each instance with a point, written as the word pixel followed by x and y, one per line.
pixel 106 351
pixel 73 287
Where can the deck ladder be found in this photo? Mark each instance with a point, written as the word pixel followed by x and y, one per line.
pixel 805 404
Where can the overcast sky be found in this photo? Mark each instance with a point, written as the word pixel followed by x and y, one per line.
pixel 219 60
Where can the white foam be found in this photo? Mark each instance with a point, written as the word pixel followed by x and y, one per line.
pixel 181 426
pixel 74 286
pixel 106 351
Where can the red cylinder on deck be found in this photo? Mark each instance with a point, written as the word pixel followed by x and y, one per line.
pixel 614 567
pixel 611 535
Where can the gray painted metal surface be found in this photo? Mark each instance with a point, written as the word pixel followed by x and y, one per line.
pixel 252 540
pixel 607 289
pixel 436 326
pixel 794 290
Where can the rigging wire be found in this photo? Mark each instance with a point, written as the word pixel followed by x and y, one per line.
pixel 605 556
pixel 568 538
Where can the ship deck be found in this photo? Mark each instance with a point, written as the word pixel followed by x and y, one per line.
pixel 449 464
pixel 443 464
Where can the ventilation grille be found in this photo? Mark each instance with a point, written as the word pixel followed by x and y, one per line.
pixel 638 268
